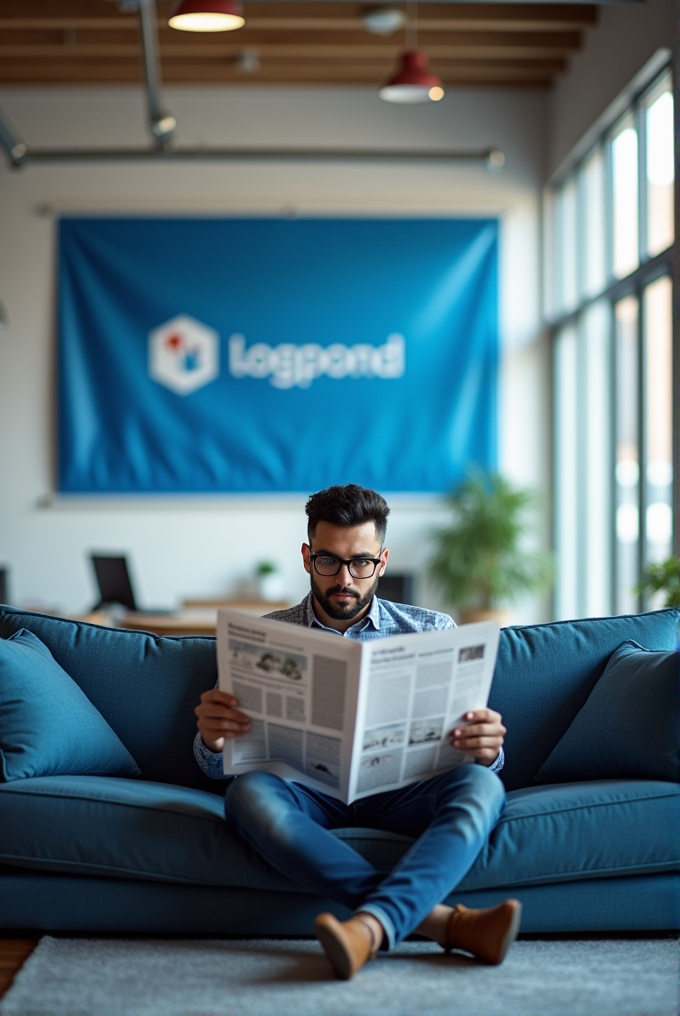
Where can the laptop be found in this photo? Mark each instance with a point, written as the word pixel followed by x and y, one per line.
pixel 115 586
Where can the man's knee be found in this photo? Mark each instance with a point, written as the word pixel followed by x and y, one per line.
pixel 258 804
pixel 248 793
pixel 483 777
pixel 479 783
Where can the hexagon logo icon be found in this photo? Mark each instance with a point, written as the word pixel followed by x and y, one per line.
pixel 183 354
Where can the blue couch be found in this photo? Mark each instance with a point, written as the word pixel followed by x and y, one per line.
pixel 154 854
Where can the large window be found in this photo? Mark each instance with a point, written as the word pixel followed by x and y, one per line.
pixel 611 310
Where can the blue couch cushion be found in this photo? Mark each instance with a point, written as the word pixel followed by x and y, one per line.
pixel 135 829
pixel 47 725
pixel 545 673
pixel 145 687
pixel 629 725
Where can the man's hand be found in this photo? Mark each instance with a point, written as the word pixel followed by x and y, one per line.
pixel 218 719
pixel 482 736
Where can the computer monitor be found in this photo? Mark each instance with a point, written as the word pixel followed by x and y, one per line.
pixel 113 579
pixel 397 588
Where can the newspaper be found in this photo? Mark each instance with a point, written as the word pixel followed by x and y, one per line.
pixel 351 718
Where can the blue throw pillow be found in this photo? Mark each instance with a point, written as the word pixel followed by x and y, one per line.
pixel 48 726
pixel 628 727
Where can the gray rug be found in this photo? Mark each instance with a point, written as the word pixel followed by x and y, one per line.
pixel 103 977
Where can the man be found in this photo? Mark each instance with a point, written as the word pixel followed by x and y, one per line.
pixel 451 815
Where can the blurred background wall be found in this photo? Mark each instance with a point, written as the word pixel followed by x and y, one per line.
pixel 183 547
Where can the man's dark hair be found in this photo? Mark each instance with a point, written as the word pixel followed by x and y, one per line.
pixel 350 505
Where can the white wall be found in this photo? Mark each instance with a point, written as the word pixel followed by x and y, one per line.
pixel 627 36
pixel 181 547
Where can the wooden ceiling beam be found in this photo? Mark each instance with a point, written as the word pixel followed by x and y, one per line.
pixel 375 67
pixel 256 25
pixel 114 51
pixel 570 40
pixel 59 23
pixel 559 41
pixel 570 13
pixel 281 60
pixel 278 73
pixel 295 17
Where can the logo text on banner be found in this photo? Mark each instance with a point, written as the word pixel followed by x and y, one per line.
pixel 295 366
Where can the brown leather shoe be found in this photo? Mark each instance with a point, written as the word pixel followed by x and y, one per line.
pixel 487 934
pixel 348 944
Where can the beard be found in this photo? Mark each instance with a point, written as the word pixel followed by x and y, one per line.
pixel 349 610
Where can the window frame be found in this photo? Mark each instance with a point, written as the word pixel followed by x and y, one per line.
pixel 649 269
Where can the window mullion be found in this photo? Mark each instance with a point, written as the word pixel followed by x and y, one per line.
pixel 676 314
pixel 609 210
pixel 641 124
pixel 582 468
pixel 613 439
pixel 642 433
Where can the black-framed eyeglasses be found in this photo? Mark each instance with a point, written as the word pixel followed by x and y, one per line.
pixel 358 567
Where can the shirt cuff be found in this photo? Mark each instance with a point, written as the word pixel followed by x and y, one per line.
pixel 211 762
pixel 496 766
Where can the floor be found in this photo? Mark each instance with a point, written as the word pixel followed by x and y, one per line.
pixel 556 976
pixel 13 953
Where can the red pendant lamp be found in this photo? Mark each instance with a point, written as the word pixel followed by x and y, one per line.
pixel 207 15
pixel 414 81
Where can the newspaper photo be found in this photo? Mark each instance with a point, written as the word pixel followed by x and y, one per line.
pixel 351 718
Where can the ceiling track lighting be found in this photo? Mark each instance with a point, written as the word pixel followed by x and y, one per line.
pixel 161 123
pixel 414 81
pixel 207 16
pixel 383 20
pixel 14 147
pixel 248 61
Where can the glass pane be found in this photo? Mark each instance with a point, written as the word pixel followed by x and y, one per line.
pixel 625 199
pixel 627 470
pixel 597 452
pixel 658 420
pixel 592 225
pixel 566 263
pixel 660 170
pixel 566 474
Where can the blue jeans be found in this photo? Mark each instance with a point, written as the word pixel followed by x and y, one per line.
pixel 290 826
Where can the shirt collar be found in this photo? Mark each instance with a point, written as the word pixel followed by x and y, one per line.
pixel 372 618
pixel 374 613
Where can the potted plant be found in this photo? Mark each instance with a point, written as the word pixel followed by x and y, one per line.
pixel 663 577
pixel 269 581
pixel 480 560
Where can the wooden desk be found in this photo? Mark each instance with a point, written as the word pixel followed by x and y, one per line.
pixel 189 622
pixel 255 607
pixel 199 617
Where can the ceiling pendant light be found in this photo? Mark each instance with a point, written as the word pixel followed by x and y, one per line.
pixel 207 15
pixel 414 81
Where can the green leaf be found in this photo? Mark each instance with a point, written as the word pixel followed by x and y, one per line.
pixel 480 559
pixel 662 577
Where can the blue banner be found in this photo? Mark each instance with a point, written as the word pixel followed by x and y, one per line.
pixel 235 355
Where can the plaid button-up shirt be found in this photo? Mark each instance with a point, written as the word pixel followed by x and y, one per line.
pixel 384 618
